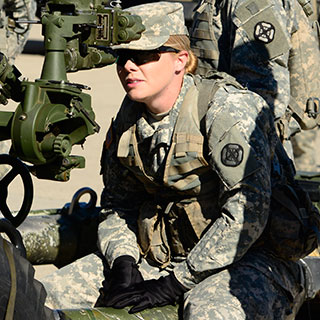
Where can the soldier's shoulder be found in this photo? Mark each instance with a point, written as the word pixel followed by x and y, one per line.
pixel 243 109
pixel 239 102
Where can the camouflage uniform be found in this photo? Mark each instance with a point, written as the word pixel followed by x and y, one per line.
pixel 173 207
pixel 227 240
pixel 231 45
pixel 13 36
pixel 304 150
pixel 221 270
pixel 304 143
pixel 256 42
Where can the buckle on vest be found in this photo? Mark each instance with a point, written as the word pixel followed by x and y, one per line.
pixel 312 108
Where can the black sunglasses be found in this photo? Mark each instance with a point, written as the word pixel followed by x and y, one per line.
pixel 140 57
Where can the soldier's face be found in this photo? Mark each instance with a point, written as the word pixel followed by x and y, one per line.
pixel 154 82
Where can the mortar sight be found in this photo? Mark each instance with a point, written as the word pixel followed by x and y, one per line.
pixel 84 31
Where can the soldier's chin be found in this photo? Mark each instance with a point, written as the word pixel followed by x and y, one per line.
pixel 135 96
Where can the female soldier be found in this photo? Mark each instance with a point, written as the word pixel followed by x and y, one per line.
pixel 187 191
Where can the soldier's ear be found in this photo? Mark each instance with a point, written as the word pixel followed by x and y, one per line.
pixel 181 60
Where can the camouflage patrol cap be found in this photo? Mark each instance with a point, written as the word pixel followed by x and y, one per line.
pixel 161 20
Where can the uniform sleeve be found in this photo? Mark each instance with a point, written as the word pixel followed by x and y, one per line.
pixel 251 40
pixel 239 129
pixel 14 35
pixel 120 200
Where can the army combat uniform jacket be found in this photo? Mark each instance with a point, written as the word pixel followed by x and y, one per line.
pixel 173 194
pixel 14 35
pixel 270 47
pixel 251 40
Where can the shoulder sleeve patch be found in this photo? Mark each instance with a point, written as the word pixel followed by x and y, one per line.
pixel 262 28
pixel 229 151
pixel 232 155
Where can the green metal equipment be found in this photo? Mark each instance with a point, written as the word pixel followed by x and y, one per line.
pixel 54 114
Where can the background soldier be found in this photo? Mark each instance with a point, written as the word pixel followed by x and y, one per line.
pixel 269 47
pixel 14 35
pixel 302 70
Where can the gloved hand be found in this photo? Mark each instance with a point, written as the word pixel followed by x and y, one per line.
pixel 123 274
pixel 150 293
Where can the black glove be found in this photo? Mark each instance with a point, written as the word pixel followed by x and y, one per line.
pixel 123 274
pixel 150 293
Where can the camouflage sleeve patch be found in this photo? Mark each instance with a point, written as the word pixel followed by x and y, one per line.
pixel 230 153
pixel 262 28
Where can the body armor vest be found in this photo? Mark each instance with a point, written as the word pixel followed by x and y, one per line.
pixel 183 205
pixel 186 202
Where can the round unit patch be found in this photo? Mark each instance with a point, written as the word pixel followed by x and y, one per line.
pixel 264 32
pixel 232 155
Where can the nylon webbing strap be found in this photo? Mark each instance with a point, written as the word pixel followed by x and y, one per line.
pixel 306 119
pixel 206 93
pixel 13 289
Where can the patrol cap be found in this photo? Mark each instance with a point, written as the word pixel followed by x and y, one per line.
pixel 161 20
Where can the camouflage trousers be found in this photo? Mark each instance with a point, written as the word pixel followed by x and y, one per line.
pixel 255 288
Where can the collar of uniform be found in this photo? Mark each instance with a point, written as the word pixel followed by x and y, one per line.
pixel 146 129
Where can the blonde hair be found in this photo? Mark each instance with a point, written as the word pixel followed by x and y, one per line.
pixel 182 42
